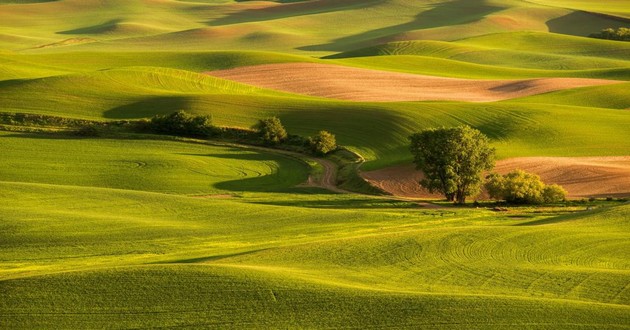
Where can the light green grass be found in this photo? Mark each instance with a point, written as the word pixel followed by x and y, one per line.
pixel 157 166
pixel 152 233
pixel 378 131
pixel 159 257
pixel 522 50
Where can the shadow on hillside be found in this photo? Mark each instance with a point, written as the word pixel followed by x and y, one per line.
pixel 581 23
pixel 94 29
pixel 149 107
pixel 586 214
pixel 210 258
pixel 290 9
pixel 444 14
pixel 13 82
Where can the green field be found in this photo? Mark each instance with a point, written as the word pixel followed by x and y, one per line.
pixel 140 231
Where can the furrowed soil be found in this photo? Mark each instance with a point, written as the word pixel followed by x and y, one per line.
pixel 355 84
pixel 580 176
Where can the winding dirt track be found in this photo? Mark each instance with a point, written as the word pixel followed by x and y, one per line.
pixel 355 84
pixel 580 176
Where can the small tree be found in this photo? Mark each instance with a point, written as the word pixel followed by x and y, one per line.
pixel 554 194
pixel 323 143
pixel 452 160
pixel 271 130
pixel 520 187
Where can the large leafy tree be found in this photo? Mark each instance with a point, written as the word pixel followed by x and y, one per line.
pixel 453 160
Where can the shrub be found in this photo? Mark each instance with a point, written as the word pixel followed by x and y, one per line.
pixel 520 187
pixel 182 124
pixel 271 130
pixel 554 194
pixel 621 34
pixel 323 143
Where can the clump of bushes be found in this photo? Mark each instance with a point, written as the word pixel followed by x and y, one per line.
pixel 520 187
pixel 323 143
pixel 621 34
pixel 271 131
pixel 182 124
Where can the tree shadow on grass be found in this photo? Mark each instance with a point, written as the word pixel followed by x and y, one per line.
pixel 282 180
pixel 148 107
pixel 95 29
pixel 443 14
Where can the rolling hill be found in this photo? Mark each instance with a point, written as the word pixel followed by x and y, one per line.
pixel 143 231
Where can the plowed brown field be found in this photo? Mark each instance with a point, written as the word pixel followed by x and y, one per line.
pixel 355 84
pixel 580 176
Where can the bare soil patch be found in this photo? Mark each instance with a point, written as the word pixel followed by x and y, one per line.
pixel 355 84
pixel 580 176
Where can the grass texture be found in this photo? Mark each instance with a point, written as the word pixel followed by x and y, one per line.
pixel 137 233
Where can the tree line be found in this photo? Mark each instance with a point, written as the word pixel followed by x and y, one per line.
pixel 621 34
pixel 453 160
pixel 268 131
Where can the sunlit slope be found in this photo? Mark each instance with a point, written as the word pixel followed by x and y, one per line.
pixel 612 97
pixel 446 67
pixel 378 131
pixel 312 27
pixel 160 257
pixel 208 296
pixel 22 66
pixel 158 166
pixel 522 50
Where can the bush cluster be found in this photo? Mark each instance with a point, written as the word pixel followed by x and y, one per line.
pixel 272 132
pixel 520 187
pixel 268 131
pixel 182 124
pixel 621 34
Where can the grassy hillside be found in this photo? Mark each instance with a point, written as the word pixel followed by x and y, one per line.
pixel 156 166
pixel 160 257
pixel 542 126
pixel 141 233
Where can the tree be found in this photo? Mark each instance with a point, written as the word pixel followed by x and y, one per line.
pixel 520 187
pixel 452 160
pixel 554 194
pixel 323 143
pixel 271 130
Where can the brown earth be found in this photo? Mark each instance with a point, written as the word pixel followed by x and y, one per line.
pixel 580 176
pixel 355 84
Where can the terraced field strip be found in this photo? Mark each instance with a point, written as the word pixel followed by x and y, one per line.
pixel 355 84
